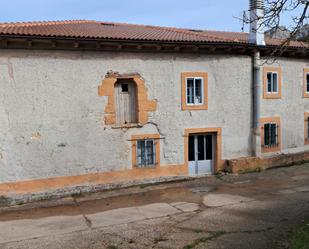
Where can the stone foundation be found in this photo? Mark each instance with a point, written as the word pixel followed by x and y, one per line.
pixel 251 164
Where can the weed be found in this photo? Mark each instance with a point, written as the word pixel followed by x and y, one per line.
pixel 246 171
pixel 159 239
pixel 112 247
pixel 198 241
pixel 300 237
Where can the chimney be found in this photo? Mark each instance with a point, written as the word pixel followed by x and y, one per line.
pixel 256 34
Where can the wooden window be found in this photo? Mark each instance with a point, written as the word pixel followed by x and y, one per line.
pixel 272 83
pixel 125 102
pixel 146 150
pixel 270 134
pixel 194 91
pixel 306 83
pixel 125 83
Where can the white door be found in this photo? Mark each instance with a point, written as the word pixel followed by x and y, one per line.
pixel 200 154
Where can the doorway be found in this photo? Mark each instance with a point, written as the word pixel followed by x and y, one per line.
pixel 201 154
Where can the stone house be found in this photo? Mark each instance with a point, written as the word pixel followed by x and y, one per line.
pixel 88 103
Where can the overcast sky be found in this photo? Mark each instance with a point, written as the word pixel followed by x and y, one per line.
pixel 199 14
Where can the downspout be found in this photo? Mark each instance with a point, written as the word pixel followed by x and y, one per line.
pixel 257 37
pixel 256 136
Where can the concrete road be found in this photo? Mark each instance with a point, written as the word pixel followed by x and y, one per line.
pixel 247 211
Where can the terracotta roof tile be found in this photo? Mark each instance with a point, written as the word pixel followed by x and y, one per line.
pixel 121 31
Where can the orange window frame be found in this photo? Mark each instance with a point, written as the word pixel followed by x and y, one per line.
pixel 184 76
pixel 277 121
pixel 135 138
pixel 305 93
pixel 266 94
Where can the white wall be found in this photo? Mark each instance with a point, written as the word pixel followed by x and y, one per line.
pixel 55 94
pixel 291 107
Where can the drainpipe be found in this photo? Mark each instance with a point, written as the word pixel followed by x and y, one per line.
pixel 256 37
pixel 256 136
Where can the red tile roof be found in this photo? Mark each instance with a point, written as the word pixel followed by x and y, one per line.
pixel 83 29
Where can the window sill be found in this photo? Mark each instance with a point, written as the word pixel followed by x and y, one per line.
pixel 272 95
pixel 271 149
pixel 146 167
pixel 126 126
pixel 194 107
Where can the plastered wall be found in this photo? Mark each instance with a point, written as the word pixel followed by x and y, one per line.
pixel 291 106
pixel 52 117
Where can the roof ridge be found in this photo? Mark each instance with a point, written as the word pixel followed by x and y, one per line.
pixel 48 22
pixel 44 23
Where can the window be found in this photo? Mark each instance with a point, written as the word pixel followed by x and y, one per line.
pixel 270 134
pixel 119 89
pixel 146 151
pixel 306 83
pixel 272 83
pixel 194 91
pixel 125 87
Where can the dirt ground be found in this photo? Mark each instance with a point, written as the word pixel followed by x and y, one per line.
pixel 256 210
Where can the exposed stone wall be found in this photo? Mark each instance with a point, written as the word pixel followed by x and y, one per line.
pixel 251 164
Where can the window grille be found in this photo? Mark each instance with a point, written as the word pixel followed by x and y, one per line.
pixel 146 155
pixel 271 135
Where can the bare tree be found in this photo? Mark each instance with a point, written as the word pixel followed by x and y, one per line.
pixel 297 9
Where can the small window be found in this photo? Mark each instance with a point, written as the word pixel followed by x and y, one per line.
pixel 194 91
pixel 270 135
pixel 272 82
pixel 146 153
pixel 124 88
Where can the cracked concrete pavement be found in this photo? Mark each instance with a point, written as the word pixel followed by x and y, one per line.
pixel 246 211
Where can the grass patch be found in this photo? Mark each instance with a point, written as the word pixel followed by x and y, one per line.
pixel 218 175
pixel 159 239
pixel 112 247
pixel 204 239
pixel 299 238
pixel 249 170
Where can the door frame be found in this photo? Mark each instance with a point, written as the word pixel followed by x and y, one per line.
pixel 217 139
pixel 198 164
